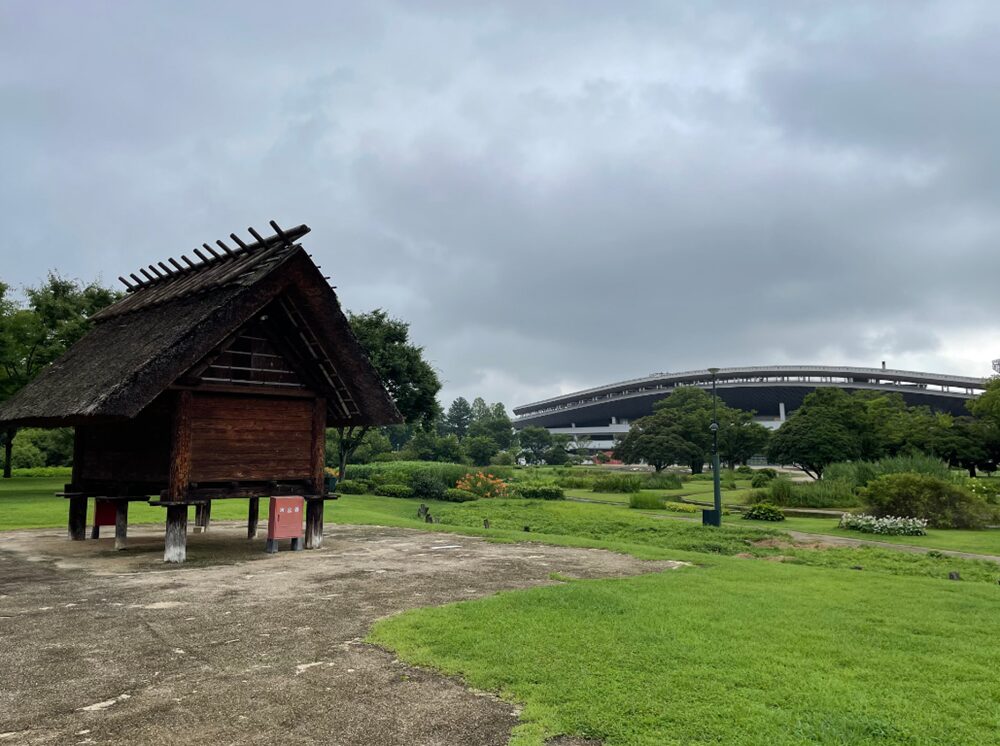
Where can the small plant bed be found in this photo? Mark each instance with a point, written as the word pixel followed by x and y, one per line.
pixel 887 526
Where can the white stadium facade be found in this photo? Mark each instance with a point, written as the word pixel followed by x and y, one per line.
pixel 596 417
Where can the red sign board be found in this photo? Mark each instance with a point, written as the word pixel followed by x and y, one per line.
pixel 104 513
pixel 284 521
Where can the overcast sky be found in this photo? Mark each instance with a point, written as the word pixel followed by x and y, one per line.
pixel 553 194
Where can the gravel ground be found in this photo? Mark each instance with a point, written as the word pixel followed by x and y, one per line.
pixel 241 647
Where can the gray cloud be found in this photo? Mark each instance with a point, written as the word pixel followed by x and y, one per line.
pixel 554 195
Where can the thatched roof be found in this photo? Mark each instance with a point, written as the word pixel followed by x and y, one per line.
pixel 167 324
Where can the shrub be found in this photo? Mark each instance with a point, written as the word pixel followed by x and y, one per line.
pixel 760 480
pixel 744 470
pixel 888 526
pixel 617 483
pixel 394 490
pixel 780 491
pixel 681 507
pixel 645 501
pixel 771 473
pixel 353 486
pixel 942 504
pixel 539 492
pixel 663 481
pixel 822 494
pixel 859 473
pixel 455 495
pixel 426 485
pixel 482 484
pixel 728 484
pixel 575 483
pixel 42 471
pixel 988 489
pixel 763 512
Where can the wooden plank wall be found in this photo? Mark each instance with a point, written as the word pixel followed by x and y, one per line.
pixel 136 450
pixel 246 438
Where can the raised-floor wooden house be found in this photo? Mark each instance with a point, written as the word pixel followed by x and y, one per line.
pixel 212 378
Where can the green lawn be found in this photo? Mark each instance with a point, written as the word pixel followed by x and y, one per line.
pixel 737 653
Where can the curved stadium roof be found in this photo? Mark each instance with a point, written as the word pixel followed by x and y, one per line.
pixel 762 388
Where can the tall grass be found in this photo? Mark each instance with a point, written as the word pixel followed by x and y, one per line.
pixel 617 483
pixel 645 501
pixel 859 473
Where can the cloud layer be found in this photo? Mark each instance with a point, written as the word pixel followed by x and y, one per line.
pixel 554 195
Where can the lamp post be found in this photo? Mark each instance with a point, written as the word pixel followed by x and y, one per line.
pixel 714 517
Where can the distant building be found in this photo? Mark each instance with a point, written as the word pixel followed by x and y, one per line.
pixel 597 417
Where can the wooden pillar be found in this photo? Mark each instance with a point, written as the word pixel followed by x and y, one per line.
pixel 78 518
pixel 121 523
pixel 175 549
pixel 253 517
pixel 180 448
pixel 318 446
pixel 95 530
pixel 203 516
pixel 179 475
pixel 314 524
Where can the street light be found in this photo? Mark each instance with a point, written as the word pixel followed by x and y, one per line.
pixel 714 517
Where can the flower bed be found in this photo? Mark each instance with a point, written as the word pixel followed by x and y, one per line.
pixel 888 526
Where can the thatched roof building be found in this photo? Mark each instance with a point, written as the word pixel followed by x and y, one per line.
pixel 211 378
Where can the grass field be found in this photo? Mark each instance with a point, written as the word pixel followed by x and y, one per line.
pixel 738 653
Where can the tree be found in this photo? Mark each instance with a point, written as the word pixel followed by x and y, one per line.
pixel 480 410
pixel 494 423
pixel 57 315
pixel 740 437
pixel 659 441
pixel 986 406
pixel 535 443
pixel 480 449
pixel 458 418
pixel 812 441
pixel 410 380
pixel 963 442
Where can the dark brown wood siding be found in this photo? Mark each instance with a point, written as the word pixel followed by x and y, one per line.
pixel 244 438
pixel 136 450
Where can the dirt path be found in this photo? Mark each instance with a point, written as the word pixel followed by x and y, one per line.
pixel 116 648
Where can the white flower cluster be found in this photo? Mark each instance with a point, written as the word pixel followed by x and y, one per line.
pixel 890 526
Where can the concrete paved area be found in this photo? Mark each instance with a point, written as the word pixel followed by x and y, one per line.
pixel 241 647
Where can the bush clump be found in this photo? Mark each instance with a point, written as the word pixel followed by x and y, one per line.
pixel 623 483
pixel 822 494
pixel 942 504
pixel 539 492
pixel 353 486
pixel 676 507
pixel 888 526
pixel 427 485
pixel 763 512
pixel 575 483
pixel 859 473
pixel 394 490
pixel 762 479
pixel 663 481
pixel 744 470
pixel 455 495
pixel 645 501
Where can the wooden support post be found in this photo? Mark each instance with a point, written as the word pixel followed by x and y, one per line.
pixel 121 523
pixel 314 524
pixel 319 447
pixel 202 517
pixel 95 530
pixel 78 518
pixel 253 517
pixel 175 548
pixel 180 448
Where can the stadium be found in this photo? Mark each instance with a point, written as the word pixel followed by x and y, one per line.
pixel 597 416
